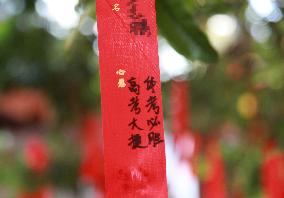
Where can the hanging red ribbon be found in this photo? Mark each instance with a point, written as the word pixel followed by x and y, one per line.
pixel 131 99
pixel 214 184
pixel 180 114
pixel 188 143
pixel 92 171
pixel 272 173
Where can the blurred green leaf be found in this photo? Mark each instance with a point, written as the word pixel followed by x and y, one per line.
pixel 5 29
pixel 178 27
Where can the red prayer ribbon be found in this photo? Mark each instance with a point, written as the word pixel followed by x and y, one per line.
pixel 272 174
pixel 179 102
pixel 131 99
pixel 214 183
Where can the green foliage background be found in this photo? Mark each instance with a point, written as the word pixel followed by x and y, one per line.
pixel 31 57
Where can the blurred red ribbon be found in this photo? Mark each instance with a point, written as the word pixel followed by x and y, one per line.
pixel 272 172
pixel 91 170
pixel 180 113
pixel 134 145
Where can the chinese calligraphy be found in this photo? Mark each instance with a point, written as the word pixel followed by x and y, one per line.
pixel 150 82
pixel 116 7
pixel 152 107
pixel 120 72
pixel 121 82
pixel 135 140
pixel 139 24
pixel 154 138
pixel 134 87
pixel 153 122
pixel 134 104
pixel 133 124
pixel 152 104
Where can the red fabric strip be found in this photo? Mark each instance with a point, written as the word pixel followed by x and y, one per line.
pixel 272 174
pixel 214 182
pixel 179 103
pixel 131 99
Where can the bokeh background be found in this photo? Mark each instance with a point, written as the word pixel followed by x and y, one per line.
pixel 223 90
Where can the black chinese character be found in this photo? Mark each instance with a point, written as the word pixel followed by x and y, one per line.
pixel 140 27
pixel 150 82
pixel 152 104
pixel 135 141
pixel 134 104
pixel 133 10
pixel 133 124
pixel 154 138
pixel 153 122
pixel 134 87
